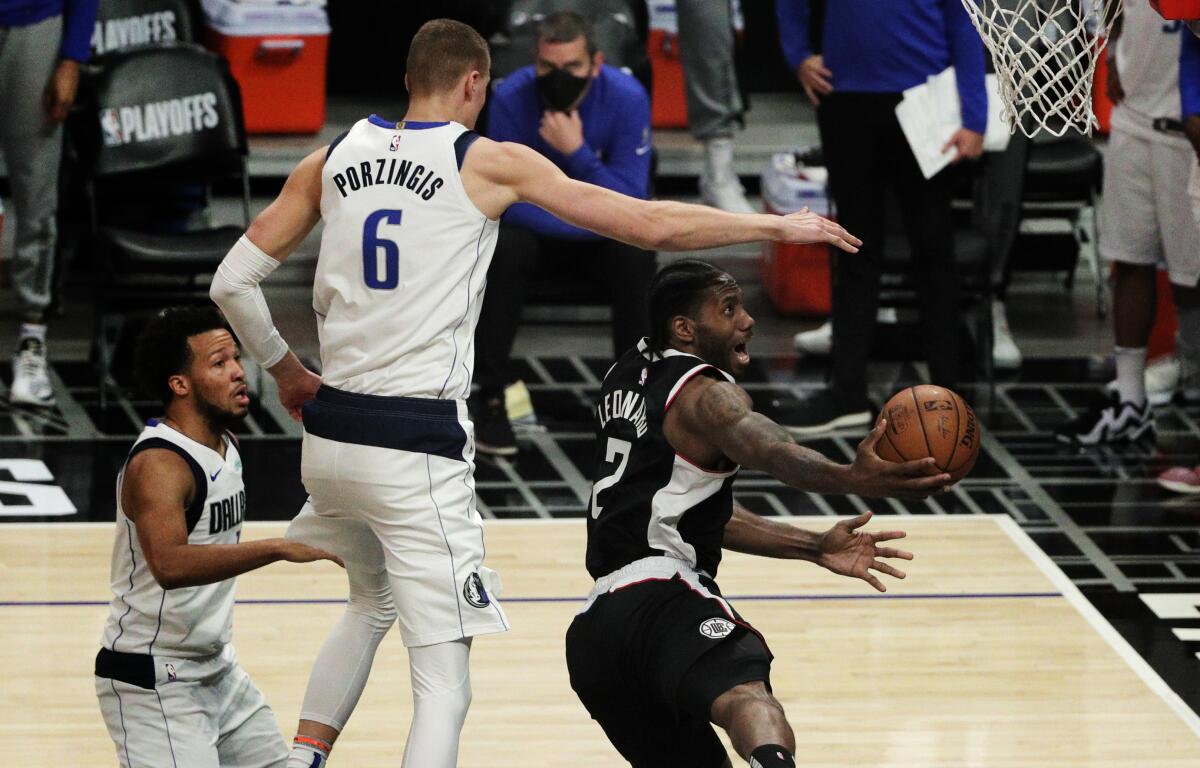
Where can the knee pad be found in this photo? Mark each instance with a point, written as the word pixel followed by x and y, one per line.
pixel 441 680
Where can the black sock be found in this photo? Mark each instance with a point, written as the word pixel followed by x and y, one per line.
pixel 772 756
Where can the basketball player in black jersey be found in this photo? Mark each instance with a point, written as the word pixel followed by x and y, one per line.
pixel 657 654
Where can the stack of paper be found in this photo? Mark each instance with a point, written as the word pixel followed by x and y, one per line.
pixel 931 113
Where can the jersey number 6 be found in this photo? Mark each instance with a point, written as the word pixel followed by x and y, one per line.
pixel 372 242
pixel 615 448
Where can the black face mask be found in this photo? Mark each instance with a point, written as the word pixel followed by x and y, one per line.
pixel 560 89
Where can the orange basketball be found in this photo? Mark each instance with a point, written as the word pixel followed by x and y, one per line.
pixel 930 421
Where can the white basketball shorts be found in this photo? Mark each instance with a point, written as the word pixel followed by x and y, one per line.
pixel 392 491
pixel 1145 215
pixel 196 713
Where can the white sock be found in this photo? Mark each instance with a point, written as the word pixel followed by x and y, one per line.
pixel 308 753
pixel 33 331
pixel 1131 374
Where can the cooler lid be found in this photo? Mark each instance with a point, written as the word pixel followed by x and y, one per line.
pixel 256 18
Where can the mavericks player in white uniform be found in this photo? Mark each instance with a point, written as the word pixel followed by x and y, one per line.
pixel 1145 218
pixel 411 210
pixel 170 688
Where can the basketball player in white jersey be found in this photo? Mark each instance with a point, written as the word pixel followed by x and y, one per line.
pixel 1144 219
pixel 411 210
pixel 170 687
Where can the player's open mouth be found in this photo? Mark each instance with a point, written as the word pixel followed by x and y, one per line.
pixel 741 353
pixel 242 396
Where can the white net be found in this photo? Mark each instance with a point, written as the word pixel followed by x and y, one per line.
pixel 1045 54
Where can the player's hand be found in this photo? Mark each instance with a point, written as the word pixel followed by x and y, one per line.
pixel 297 384
pixel 847 551
pixel 562 130
pixel 874 477
pixel 807 227
pixel 1191 127
pixel 968 143
pixel 1116 92
pixel 815 77
pixel 60 91
pixel 295 552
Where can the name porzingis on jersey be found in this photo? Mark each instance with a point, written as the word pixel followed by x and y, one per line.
pixel 226 514
pixel 159 119
pixel 414 177
pixel 115 34
pixel 621 404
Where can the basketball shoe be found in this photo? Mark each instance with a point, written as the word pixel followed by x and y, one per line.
pixel 822 412
pixel 1180 479
pixel 719 184
pixel 1110 422
pixel 31 378
pixel 493 430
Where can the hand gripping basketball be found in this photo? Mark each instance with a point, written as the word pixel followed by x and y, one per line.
pixel 873 477
pixel 804 226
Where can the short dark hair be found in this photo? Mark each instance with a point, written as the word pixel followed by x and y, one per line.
pixel 163 350
pixel 566 27
pixel 442 51
pixel 679 289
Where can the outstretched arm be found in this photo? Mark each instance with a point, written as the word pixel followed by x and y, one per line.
pixel 155 490
pixel 843 549
pixel 718 414
pixel 498 175
pixel 272 237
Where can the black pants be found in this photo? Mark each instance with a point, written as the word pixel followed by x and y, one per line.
pixel 625 272
pixel 867 154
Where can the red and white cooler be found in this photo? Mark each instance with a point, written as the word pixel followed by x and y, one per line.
pixel 277 52
pixel 795 277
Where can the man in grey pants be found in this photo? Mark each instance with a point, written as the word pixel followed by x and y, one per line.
pixel 714 103
pixel 42 43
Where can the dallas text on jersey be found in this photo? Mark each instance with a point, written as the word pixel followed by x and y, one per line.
pixel 620 404
pixel 227 513
pixel 399 173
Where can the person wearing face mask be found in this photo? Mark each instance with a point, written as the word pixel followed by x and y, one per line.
pixel 593 122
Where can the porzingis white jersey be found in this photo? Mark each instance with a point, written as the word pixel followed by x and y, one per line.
pixel 404 258
pixel 1148 63
pixel 189 621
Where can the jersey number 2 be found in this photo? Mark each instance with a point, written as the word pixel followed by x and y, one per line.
pixel 615 448
pixel 372 242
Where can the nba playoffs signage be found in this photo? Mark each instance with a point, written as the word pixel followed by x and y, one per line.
pixel 142 29
pixel 159 119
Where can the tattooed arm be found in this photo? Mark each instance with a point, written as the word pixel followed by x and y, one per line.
pixel 713 419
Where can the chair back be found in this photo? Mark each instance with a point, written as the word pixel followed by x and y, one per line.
pixel 124 24
pixel 174 107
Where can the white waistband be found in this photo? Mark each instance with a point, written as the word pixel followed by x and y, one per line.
pixel 660 567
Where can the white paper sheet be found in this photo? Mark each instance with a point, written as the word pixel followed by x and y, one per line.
pixel 930 113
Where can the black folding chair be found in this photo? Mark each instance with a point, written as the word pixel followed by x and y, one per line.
pixel 153 120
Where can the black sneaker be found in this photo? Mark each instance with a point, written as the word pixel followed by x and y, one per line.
pixel 820 412
pixel 1111 421
pixel 493 432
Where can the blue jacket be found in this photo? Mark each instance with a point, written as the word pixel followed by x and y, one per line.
pixel 888 46
pixel 616 140
pixel 79 17
pixel 1189 75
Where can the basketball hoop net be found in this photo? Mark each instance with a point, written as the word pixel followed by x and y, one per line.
pixel 1045 54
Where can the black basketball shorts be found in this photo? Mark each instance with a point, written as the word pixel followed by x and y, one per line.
pixel 648 660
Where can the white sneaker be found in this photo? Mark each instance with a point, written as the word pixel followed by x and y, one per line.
pixel 1162 378
pixel 818 341
pixel 31 381
pixel 1006 356
pixel 719 185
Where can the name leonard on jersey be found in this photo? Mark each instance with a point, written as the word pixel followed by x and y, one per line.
pixel 622 404
pixel 398 173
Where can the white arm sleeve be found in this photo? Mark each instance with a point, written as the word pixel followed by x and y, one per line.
pixel 235 290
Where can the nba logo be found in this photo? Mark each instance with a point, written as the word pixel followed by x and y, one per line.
pixel 395 143
pixel 171 676
pixel 110 125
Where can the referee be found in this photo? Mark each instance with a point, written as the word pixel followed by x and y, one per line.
pixel 869 60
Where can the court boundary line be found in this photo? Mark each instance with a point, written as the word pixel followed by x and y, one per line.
pixel 1101 625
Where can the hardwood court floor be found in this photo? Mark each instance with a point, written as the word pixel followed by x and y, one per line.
pixel 985 656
